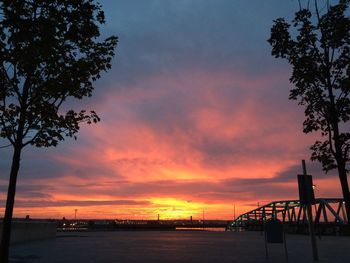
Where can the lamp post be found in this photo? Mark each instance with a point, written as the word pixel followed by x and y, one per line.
pixel 307 198
pixel 314 188
pixel 234 211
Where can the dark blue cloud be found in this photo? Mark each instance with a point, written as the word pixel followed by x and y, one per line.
pixel 170 36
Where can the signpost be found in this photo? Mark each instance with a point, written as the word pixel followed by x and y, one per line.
pixel 307 198
pixel 274 233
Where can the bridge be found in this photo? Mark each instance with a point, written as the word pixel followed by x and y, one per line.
pixel 328 215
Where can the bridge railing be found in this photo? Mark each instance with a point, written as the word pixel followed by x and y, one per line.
pixel 325 211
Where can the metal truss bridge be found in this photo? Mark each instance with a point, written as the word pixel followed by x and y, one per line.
pixel 328 213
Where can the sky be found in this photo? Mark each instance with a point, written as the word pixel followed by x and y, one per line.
pixel 194 114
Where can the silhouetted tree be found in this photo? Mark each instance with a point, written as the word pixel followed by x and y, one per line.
pixel 318 48
pixel 50 51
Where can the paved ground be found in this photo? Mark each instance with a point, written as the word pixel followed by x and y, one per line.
pixel 176 246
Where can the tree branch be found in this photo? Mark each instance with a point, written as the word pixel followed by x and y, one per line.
pixel 331 147
pixel 317 12
pixel 4 125
pixel 6 146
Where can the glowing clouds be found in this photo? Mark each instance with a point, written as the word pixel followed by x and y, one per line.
pixel 164 140
pixel 189 120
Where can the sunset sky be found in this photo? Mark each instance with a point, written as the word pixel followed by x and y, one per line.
pixel 194 115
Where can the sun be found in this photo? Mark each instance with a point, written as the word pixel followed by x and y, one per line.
pixel 172 208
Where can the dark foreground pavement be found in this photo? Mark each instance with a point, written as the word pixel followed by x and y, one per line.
pixel 176 246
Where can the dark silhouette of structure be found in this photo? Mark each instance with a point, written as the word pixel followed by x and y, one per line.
pixel 329 217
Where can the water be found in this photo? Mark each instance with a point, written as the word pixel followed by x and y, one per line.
pixel 216 229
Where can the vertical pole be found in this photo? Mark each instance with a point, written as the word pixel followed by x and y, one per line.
pixel 343 211
pixel 304 167
pixel 263 221
pixel 310 222
pixel 312 232
pixel 266 250
pixel 234 211
pixel 203 218
pixel 285 244
pixel 256 211
pixel 234 216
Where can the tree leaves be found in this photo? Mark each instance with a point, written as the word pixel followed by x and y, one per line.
pixel 318 48
pixel 49 51
pixel 321 152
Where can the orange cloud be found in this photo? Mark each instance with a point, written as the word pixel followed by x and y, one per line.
pixel 175 145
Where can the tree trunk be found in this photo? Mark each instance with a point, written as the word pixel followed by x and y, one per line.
pixel 6 226
pixel 343 177
pixel 341 165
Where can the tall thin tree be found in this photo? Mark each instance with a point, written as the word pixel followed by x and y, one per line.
pixel 318 48
pixel 50 51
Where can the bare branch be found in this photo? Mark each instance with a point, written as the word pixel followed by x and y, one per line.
pixel 6 146
pixel 317 12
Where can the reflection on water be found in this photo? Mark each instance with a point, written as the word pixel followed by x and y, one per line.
pixel 216 229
